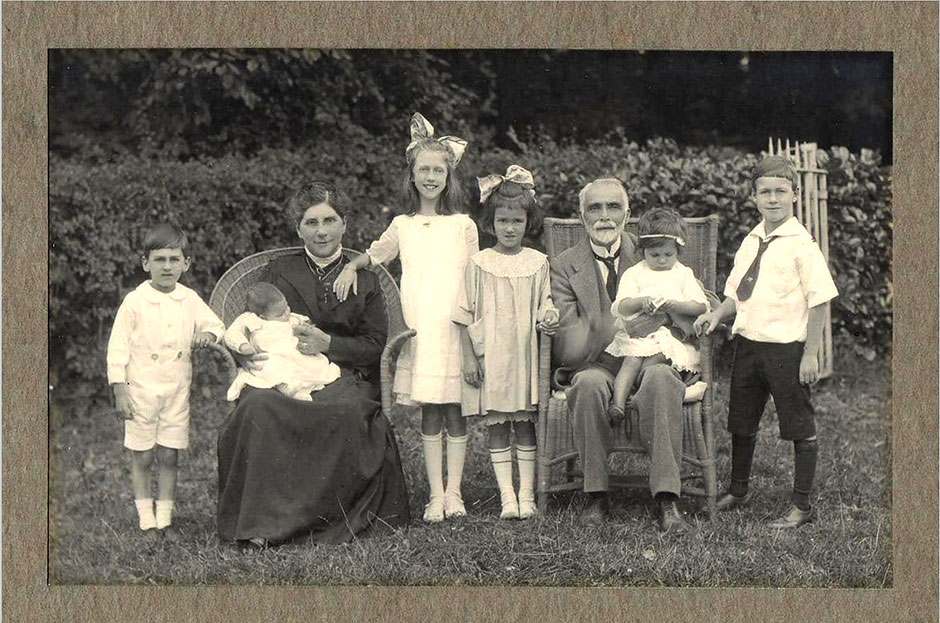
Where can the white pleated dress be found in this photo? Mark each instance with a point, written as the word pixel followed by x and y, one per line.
pixel 434 252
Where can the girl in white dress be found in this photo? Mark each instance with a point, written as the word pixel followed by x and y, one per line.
pixel 268 327
pixel 652 294
pixel 506 299
pixel 434 238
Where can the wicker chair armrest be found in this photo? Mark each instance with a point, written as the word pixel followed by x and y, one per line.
pixel 231 368
pixel 389 356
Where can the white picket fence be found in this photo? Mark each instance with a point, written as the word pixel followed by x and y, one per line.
pixel 812 211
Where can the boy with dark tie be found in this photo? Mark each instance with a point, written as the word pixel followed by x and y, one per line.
pixel 777 291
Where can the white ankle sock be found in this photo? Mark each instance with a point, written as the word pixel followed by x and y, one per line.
pixel 456 452
pixel 502 467
pixel 434 462
pixel 164 513
pixel 525 455
pixel 145 513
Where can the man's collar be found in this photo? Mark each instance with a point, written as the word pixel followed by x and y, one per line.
pixel 600 251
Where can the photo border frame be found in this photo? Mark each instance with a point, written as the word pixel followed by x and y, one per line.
pixel 908 30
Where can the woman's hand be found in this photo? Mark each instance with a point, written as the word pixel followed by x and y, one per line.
pixel 311 339
pixel 347 281
pixel 549 324
pixel 472 370
pixel 250 362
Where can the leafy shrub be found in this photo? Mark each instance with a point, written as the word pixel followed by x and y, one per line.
pixel 234 206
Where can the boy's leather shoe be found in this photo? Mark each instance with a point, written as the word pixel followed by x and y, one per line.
pixel 727 501
pixel 171 533
pixel 794 518
pixel 671 520
pixel 595 513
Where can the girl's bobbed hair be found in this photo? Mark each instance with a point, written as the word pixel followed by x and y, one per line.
pixel 661 225
pixel 511 195
pixel 452 200
pixel 315 193
pixel 261 296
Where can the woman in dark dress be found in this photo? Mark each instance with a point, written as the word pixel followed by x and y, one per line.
pixel 329 469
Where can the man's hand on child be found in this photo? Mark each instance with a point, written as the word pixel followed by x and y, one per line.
pixel 122 402
pixel 472 371
pixel 549 324
pixel 809 369
pixel 204 338
pixel 346 281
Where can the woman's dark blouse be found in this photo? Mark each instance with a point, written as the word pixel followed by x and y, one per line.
pixel 357 326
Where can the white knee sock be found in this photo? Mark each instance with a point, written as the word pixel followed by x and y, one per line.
pixel 145 513
pixel 502 467
pixel 434 462
pixel 456 452
pixel 526 457
pixel 164 513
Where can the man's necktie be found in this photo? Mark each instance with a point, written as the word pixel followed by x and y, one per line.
pixel 746 287
pixel 611 275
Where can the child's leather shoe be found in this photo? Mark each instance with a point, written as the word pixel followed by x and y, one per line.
pixel 728 500
pixel 794 518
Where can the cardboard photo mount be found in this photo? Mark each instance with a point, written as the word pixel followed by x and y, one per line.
pixel 908 30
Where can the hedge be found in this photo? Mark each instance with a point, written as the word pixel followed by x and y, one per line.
pixel 235 205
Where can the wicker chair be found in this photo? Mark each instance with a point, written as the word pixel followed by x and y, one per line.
pixel 555 436
pixel 228 301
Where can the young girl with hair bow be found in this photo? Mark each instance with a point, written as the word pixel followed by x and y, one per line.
pixel 505 300
pixel 434 238
pixel 657 300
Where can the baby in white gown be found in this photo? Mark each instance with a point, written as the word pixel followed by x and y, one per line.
pixel 268 327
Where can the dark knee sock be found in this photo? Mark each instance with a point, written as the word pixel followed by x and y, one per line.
pixel 805 452
pixel 742 454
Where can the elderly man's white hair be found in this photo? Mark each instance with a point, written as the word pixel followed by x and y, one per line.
pixel 603 180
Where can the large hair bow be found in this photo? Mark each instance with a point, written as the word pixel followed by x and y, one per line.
pixel 421 128
pixel 514 173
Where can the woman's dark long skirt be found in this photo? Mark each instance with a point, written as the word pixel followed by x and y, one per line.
pixel 329 468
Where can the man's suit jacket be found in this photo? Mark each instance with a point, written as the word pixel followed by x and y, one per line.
pixel 585 325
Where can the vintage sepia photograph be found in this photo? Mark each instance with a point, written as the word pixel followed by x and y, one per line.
pixel 489 311
pixel 470 317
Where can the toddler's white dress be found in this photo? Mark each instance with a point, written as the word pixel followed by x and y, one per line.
pixel 677 284
pixel 287 369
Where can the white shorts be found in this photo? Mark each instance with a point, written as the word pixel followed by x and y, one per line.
pixel 162 415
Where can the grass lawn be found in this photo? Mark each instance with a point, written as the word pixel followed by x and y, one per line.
pixel 94 536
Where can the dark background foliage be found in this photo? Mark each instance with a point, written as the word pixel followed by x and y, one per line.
pixel 215 141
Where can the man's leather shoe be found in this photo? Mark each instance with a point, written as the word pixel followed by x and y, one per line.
pixel 670 519
pixel 727 501
pixel 595 513
pixel 794 518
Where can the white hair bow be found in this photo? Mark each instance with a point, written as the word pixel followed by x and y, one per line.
pixel 514 173
pixel 421 128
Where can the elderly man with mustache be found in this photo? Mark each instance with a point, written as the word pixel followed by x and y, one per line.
pixel 584 284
